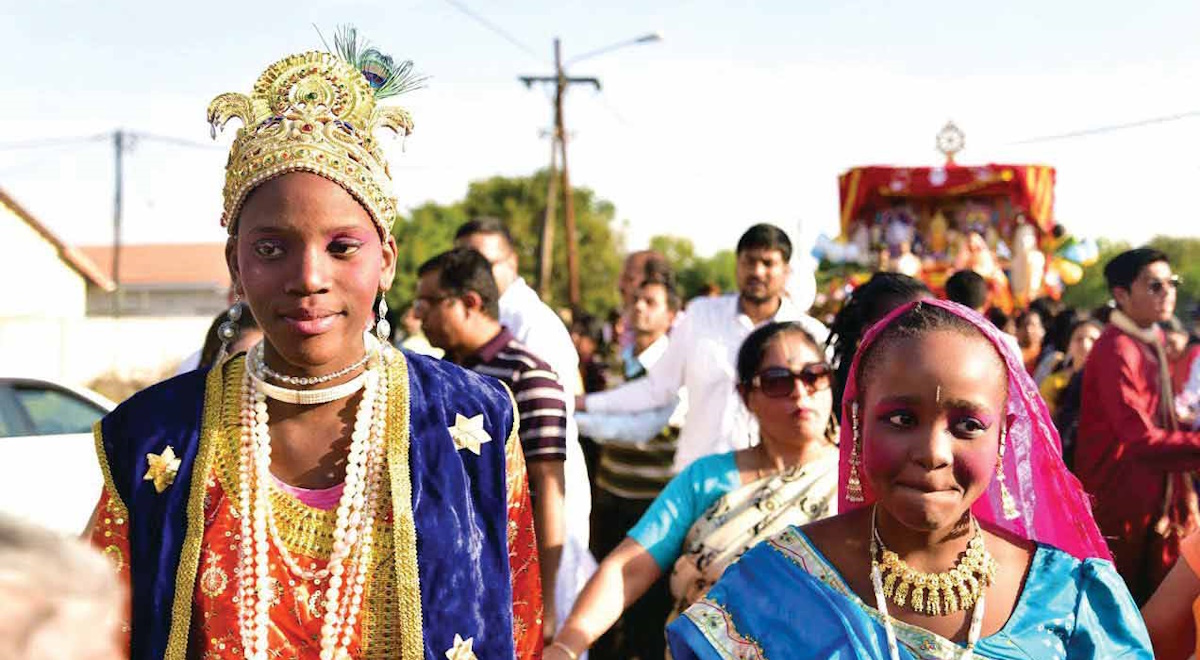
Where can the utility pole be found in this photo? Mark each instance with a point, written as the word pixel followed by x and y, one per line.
pixel 561 82
pixel 118 184
pixel 546 244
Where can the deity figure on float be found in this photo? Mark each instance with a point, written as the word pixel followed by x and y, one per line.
pixel 977 256
pixel 897 229
pixel 907 263
pixel 1028 265
pixel 860 243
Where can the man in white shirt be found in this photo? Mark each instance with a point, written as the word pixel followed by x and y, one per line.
pixel 636 455
pixel 703 352
pixel 535 325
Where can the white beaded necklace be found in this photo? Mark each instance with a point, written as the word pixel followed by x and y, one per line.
pixel 260 365
pixel 349 561
pixel 881 604
pixel 311 397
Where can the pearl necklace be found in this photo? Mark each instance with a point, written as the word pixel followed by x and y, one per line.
pixel 260 365
pixel 305 397
pixel 881 600
pixel 309 397
pixel 353 534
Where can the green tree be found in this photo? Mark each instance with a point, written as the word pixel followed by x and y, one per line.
pixel 694 273
pixel 426 232
pixel 520 202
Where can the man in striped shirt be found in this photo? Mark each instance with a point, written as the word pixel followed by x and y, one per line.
pixel 458 304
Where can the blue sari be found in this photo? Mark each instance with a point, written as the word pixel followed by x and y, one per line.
pixel 783 599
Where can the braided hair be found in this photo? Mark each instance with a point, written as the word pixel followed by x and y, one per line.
pixel 866 305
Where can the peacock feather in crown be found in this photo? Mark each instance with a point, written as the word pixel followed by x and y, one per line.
pixel 318 112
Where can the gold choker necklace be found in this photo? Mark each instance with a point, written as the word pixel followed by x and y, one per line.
pixel 934 594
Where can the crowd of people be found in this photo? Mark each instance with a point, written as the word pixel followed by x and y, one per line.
pixel 726 477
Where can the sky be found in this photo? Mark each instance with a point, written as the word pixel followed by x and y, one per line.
pixel 743 113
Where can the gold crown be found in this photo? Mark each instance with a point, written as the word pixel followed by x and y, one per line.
pixel 313 112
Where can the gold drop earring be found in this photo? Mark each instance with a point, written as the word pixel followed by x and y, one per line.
pixel 854 492
pixel 1007 503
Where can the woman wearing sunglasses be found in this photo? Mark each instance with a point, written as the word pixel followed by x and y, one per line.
pixel 722 505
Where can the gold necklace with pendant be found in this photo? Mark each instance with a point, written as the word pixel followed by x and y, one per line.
pixel 934 594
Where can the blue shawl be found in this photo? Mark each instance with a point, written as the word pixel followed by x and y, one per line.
pixel 450 506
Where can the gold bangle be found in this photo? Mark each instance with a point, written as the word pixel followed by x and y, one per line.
pixel 565 649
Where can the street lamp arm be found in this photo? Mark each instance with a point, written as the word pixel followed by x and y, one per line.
pixel 649 38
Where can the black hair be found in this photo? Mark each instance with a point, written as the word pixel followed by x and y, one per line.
pixel 486 225
pixel 1032 311
pixel 1079 323
pixel 592 327
pixel 998 318
pixel 461 270
pixel 212 340
pixel 750 355
pixel 866 305
pixel 918 321
pixel 667 282
pixel 966 287
pixel 765 236
pixel 1058 332
pixel 1123 269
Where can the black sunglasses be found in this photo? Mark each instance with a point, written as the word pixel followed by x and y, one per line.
pixel 1157 287
pixel 778 382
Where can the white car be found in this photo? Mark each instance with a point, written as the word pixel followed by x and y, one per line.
pixel 49 473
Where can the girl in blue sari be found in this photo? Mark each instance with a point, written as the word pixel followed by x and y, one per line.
pixel 960 534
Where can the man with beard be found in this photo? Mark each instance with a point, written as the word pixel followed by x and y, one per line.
pixel 1130 454
pixel 703 351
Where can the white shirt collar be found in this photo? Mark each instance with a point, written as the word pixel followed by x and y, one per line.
pixel 653 352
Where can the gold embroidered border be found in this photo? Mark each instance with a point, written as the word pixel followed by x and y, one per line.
pixel 109 484
pixel 717 627
pixel 408 579
pixel 189 559
pixel 512 443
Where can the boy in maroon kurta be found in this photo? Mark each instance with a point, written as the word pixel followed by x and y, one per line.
pixel 1130 454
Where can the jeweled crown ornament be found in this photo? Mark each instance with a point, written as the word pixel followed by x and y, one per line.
pixel 318 112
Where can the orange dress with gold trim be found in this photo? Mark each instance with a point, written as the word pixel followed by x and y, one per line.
pixel 297 606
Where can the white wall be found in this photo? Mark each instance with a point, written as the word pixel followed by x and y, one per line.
pixel 39 282
pixel 77 351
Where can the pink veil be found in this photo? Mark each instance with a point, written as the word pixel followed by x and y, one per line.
pixel 1053 508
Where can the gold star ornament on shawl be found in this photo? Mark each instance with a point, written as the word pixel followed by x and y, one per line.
pixel 162 469
pixel 468 433
pixel 462 649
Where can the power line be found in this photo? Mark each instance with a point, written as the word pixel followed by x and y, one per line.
pixel 1111 128
pixel 494 28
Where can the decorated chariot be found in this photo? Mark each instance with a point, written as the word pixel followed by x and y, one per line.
pixel 929 222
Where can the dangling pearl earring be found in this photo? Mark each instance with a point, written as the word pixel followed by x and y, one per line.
pixel 854 492
pixel 228 331
pixel 383 329
pixel 1007 503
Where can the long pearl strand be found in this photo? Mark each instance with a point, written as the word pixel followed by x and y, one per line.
pixel 353 532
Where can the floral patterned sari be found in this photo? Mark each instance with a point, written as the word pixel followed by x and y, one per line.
pixel 742 518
